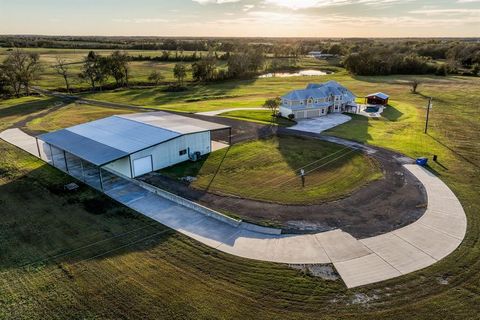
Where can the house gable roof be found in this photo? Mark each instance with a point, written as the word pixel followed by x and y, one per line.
pixel 320 91
pixel 380 95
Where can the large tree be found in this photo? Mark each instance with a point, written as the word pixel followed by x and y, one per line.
pixel 20 68
pixel 272 104
pixel 205 69
pixel 180 73
pixel 95 69
pixel 117 65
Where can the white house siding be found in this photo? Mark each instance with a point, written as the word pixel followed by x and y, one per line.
pixel 168 153
pixel 121 166
pixel 285 112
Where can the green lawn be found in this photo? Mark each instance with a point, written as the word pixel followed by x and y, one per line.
pixel 258 116
pixel 269 170
pixel 70 115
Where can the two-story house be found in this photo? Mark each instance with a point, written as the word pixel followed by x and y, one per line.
pixel 317 100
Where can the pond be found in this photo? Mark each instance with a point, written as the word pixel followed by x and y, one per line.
pixel 301 73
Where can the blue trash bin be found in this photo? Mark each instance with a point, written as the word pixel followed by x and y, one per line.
pixel 422 161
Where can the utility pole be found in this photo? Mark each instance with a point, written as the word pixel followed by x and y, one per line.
pixel 428 113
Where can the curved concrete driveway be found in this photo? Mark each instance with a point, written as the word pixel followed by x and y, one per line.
pixel 217 112
pixel 358 261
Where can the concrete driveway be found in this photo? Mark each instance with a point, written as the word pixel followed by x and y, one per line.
pixel 218 112
pixel 358 261
pixel 317 125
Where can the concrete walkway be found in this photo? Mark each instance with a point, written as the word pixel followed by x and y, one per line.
pixel 217 112
pixel 320 124
pixel 358 261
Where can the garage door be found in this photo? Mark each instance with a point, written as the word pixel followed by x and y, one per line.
pixel 142 166
pixel 313 113
pixel 299 114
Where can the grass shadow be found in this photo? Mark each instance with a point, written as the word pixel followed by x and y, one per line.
pixel 45 225
pixel 454 152
pixel 391 113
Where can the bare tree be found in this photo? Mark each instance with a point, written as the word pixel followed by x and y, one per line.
pixel 62 69
pixel 155 77
pixel 415 83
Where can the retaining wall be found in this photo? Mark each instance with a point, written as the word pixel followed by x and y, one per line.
pixel 206 211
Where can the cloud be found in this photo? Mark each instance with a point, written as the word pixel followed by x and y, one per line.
pixel 248 7
pixel 306 4
pixel 446 12
pixel 215 1
pixel 141 20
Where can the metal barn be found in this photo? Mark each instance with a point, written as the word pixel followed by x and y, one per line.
pixel 129 145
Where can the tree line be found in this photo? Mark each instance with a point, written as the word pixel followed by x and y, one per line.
pixel 426 58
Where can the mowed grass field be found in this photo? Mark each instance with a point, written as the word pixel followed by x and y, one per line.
pixel 90 268
pixel 268 170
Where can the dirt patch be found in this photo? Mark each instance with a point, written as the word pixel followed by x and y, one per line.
pixel 383 205
pixel 324 271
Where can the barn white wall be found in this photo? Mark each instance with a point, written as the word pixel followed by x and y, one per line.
pixel 167 153
pixel 45 151
pixel 121 166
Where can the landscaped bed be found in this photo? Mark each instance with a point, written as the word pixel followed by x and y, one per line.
pixel 268 170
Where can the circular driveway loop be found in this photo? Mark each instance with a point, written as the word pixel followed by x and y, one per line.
pixel 359 262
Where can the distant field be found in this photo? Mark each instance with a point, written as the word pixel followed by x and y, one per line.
pixel 140 70
pixel 269 170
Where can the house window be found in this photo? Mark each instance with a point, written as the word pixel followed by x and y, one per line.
pixel 182 152
pixel 323 111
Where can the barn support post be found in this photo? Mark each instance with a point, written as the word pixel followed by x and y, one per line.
pixel 83 173
pixel 51 154
pixel 101 178
pixel 38 148
pixel 131 169
pixel 65 158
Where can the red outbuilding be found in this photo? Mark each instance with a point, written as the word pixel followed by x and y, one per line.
pixel 379 98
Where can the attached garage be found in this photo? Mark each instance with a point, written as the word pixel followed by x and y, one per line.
pixel 299 114
pixel 128 145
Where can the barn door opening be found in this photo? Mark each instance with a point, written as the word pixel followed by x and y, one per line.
pixel 142 166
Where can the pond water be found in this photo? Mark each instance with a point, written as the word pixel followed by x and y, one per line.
pixel 302 73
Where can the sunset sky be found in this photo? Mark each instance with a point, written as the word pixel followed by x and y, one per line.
pixel 252 18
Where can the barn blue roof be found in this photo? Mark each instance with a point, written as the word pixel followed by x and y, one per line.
pixel 105 140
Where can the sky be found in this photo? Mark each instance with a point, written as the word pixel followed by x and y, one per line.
pixel 243 18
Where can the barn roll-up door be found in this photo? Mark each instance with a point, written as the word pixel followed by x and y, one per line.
pixel 142 166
